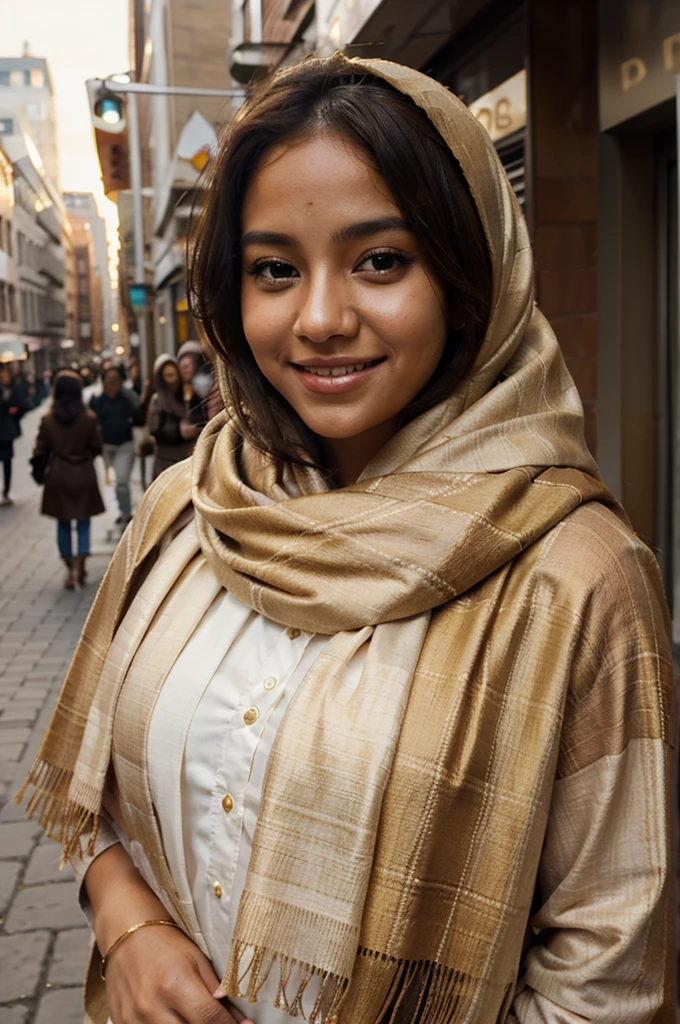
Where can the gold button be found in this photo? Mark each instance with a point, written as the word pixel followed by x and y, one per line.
pixel 227 803
pixel 250 716
pixel 217 889
pixel 270 682
pixel 293 633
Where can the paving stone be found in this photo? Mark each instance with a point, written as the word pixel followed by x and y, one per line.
pixel 63 1005
pixel 21 965
pixel 13 1014
pixel 11 735
pixel 54 906
pixel 44 865
pixel 70 957
pixel 17 839
pixel 20 716
pixel 9 875
pixel 11 751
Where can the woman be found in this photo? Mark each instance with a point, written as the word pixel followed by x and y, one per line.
pixel 374 712
pixel 167 419
pixel 13 405
pixel 69 434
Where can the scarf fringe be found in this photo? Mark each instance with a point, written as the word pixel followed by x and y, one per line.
pixel 421 991
pixel 60 806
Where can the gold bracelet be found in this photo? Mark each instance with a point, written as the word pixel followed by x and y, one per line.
pixel 126 935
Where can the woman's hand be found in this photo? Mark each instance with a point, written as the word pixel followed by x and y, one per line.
pixel 158 976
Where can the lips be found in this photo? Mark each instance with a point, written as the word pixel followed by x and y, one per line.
pixel 334 376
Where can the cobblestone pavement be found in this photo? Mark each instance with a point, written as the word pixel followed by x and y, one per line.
pixel 43 938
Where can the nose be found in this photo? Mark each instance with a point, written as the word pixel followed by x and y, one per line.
pixel 325 310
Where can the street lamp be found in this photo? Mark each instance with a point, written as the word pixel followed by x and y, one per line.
pixel 115 328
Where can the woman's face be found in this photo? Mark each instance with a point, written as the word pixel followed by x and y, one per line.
pixel 170 375
pixel 188 366
pixel 342 316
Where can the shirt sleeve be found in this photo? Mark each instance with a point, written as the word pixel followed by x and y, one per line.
pixel 603 936
pixel 107 836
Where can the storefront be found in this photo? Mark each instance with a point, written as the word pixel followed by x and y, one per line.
pixel 639 400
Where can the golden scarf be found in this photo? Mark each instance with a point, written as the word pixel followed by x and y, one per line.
pixel 400 827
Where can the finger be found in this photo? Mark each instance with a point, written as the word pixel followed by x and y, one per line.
pixel 209 977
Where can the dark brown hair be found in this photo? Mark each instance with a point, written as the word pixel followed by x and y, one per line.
pixel 427 185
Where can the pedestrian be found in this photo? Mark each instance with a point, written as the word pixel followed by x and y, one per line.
pixel 167 419
pixel 117 410
pixel 13 405
pixel 68 442
pixel 372 719
pixel 135 375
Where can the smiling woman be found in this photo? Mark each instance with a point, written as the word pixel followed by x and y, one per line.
pixel 359 214
pixel 375 705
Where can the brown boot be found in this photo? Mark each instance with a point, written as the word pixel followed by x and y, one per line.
pixel 70 580
pixel 81 571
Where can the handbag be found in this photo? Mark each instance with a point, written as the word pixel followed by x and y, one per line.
pixel 39 466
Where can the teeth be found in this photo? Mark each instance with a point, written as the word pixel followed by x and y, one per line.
pixel 336 371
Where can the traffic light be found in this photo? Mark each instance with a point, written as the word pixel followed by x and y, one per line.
pixel 107 110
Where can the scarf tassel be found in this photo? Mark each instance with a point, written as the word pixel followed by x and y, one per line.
pixel 422 991
pixel 61 808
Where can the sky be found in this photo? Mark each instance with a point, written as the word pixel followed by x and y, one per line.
pixel 81 39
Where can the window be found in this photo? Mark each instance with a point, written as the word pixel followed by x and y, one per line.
pixel 20 247
pixel 86 330
pixel 3 302
pixel 12 303
pixel 16 78
pixel 6 126
pixel 36 78
pixel 8 229
pixel 4 77
pixel 35 111
pixel 2 233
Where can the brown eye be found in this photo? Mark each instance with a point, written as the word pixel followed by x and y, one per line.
pixel 383 262
pixel 276 270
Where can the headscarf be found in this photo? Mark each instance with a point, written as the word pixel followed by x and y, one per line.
pixel 169 400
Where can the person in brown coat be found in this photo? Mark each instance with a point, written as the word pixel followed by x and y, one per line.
pixel 69 434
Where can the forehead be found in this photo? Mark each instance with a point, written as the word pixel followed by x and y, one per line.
pixel 322 177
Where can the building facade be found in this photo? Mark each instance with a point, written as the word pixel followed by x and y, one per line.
pixel 174 43
pixel 27 95
pixel 11 345
pixel 88 229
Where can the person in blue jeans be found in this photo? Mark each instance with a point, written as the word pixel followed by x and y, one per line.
pixel 117 409
pixel 69 439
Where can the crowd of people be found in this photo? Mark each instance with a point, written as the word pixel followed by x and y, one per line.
pixel 127 418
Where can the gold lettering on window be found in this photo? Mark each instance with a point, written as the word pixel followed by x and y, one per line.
pixel 633 72
pixel 671 52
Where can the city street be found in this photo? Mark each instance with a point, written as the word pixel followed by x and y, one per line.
pixel 43 938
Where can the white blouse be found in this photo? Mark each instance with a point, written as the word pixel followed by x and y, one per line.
pixel 209 739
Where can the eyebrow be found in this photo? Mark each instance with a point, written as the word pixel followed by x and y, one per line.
pixel 350 233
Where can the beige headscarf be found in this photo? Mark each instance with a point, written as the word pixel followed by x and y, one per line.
pixel 450 501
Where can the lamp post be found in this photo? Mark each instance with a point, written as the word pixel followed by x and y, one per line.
pixel 111 89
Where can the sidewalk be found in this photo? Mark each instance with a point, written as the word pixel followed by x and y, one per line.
pixel 43 940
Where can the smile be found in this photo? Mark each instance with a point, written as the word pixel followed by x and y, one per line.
pixel 335 379
pixel 339 371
